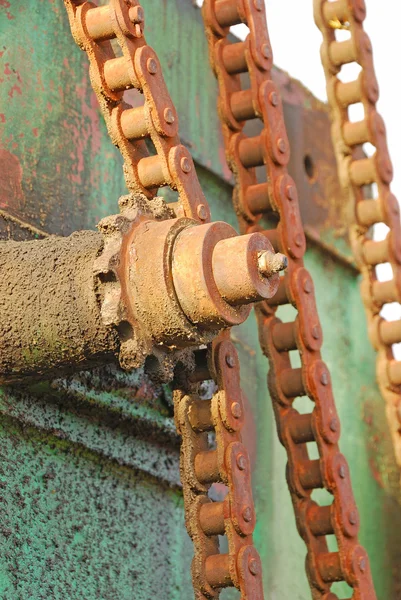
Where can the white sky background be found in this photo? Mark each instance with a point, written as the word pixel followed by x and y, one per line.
pixel 296 42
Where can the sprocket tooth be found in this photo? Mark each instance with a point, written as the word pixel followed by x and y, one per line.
pixel 111 305
pixel 133 353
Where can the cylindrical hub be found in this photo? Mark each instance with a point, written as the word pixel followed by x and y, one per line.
pixel 50 320
pixel 216 274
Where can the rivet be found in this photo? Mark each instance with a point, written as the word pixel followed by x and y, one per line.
pixel 230 361
pixel 362 564
pixel 308 287
pixel 353 517
pixel 290 192
pixel 334 425
pixel 185 164
pixel 324 378
pixel 298 240
pixel 281 145
pixel 253 566
pixel 151 66
pixel 169 116
pixel 265 49
pixel 396 210
pixel 241 462
pixel 258 4
pixel 316 332
pixel 273 97
pixel 247 514
pixel 236 410
pixel 341 472
pixel 202 212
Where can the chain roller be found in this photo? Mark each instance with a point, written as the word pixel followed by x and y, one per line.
pixel 277 195
pixel 355 174
pixel 99 30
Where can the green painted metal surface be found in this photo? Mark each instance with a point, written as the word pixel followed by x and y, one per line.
pixel 89 486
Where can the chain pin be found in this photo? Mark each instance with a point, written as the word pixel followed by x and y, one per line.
pixel 265 49
pixel 324 378
pixel 273 97
pixel 169 116
pixel 236 410
pixel 258 4
pixel 230 361
pixel 298 240
pixel 353 517
pixel 185 164
pixel 241 462
pixel 151 66
pixel 308 287
pixel 341 472
pixel 362 564
pixel 247 514
pixel 281 145
pixel 202 212
pixel 253 567
pixel 316 333
pixel 290 192
pixel 333 425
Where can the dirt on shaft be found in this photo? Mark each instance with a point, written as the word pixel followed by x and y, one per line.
pixel 50 320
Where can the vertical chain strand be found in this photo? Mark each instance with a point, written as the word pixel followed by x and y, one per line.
pixel 277 195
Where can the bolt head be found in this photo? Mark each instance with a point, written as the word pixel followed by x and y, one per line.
pixel 151 66
pixel 253 566
pixel 185 164
pixel 270 263
pixel 236 410
pixel 324 378
pixel 281 145
pixel 241 462
pixel 230 361
pixel 247 514
pixel 273 97
pixel 202 212
pixel 169 116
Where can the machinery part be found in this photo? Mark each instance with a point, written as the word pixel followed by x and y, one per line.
pixel 182 293
pixel 122 20
pixel 50 318
pixel 278 195
pixel 228 463
pixel 144 296
pixel 355 174
pixel 153 118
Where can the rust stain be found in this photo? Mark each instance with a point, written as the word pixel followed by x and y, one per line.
pixel 11 194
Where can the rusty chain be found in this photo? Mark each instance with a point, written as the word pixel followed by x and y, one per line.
pixel 135 66
pixel 355 173
pixel 277 196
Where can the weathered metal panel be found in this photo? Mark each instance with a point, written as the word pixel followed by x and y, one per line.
pixel 89 480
